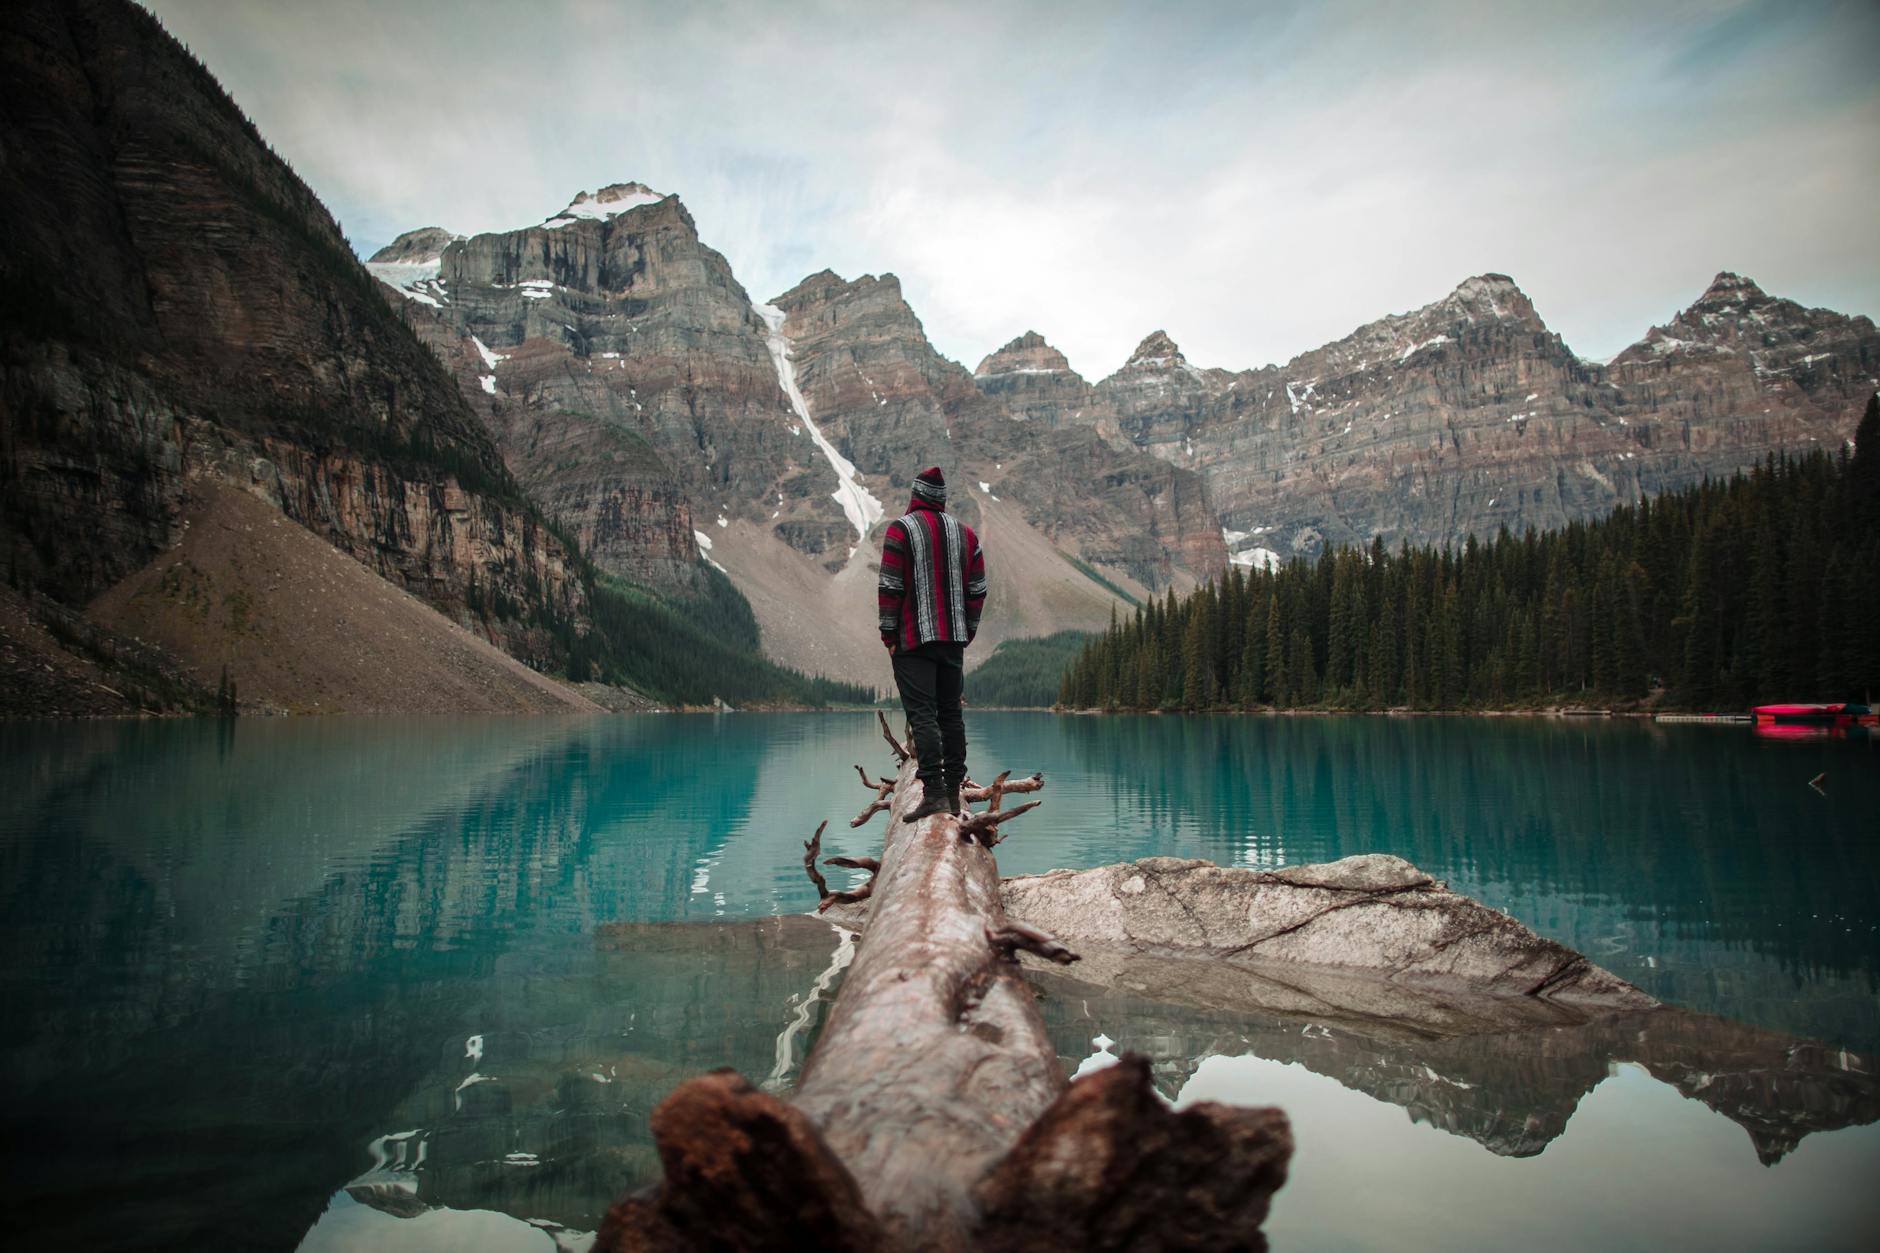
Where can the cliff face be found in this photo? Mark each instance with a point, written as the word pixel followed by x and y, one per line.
pixel 1470 414
pixel 620 367
pixel 177 303
pixel 1033 381
pixel 1740 368
pixel 893 404
pixel 640 394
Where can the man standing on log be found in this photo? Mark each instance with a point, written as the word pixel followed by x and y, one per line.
pixel 931 592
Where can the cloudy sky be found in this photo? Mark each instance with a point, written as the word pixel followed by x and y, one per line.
pixel 1257 179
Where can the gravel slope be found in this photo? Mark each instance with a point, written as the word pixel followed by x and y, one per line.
pixel 302 628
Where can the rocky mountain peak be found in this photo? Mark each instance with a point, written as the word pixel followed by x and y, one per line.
pixel 1028 354
pixel 610 201
pixel 425 244
pixel 1778 339
pixel 817 286
pixel 1731 289
pixel 1156 352
pixel 1487 297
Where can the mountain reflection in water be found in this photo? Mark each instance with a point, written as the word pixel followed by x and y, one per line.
pixel 238 956
pixel 549 1122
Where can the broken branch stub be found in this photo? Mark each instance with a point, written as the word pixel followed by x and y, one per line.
pixel 1109 1167
pixel 883 790
pixel 901 755
pixel 984 827
pixel 743 1170
pixel 1031 783
pixel 996 792
pixel 812 848
pixel 874 807
pixel 846 897
pixel 1016 936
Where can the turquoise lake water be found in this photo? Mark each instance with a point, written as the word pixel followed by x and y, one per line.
pixel 413 983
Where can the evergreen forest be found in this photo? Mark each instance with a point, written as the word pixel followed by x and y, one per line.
pixel 688 650
pixel 1761 588
pixel 1023 674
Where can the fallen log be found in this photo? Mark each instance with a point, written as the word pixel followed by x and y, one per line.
pixel 933 1112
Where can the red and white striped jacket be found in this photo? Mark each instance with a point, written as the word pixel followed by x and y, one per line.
pixel 933 578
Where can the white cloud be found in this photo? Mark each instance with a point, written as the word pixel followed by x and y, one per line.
pixel 1256 181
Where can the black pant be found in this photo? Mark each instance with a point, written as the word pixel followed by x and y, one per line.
pixel 931 678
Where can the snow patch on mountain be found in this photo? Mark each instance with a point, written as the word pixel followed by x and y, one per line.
pixel 489 358
pixel 414 280
pixel 608 202
pixel 1255 559
pixel 858 503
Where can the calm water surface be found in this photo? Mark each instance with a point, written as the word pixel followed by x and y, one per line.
pixel 414 983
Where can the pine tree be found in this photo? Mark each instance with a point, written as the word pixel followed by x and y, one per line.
pixel 1386 689
pixel 1450 680
pixel 1342 645
pixel 1276 692
pixel 1301 680
pixel 1197 674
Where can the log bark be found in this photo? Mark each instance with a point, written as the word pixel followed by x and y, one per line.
pixel 935 1057
pixel 934 1113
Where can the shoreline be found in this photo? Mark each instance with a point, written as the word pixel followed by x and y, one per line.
pixel 1568 712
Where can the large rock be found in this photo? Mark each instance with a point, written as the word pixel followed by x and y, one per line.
pixel 1372 913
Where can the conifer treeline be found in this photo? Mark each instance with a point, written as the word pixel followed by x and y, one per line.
pixel 1760 588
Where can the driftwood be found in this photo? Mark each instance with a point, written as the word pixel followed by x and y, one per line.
pixel 902 753
pixel 883 790
pixel 973 792
pixel 933 1112
pixel 811 848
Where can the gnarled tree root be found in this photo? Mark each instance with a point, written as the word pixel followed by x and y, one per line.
pixel 744 1171
pixel 984 827
pixel 1109 1167
pixel 812 848
pixel 1030 783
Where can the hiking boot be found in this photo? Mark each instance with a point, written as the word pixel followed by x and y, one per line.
pixel 933 801
pixel 953 800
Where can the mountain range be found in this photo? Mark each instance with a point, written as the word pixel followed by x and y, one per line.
pixel 502 428
pixel 644 396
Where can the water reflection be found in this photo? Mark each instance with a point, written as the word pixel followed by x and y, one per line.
pixel 224 959
pixel 1694 861
pixel 236 955
pixel 1510 1089
pixel 542 1113
pixel 558 1128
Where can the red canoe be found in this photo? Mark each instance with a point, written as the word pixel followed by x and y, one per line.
pixel 1837 714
